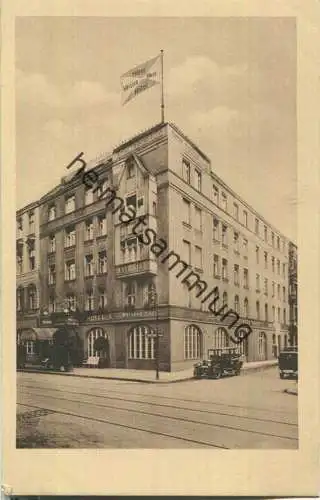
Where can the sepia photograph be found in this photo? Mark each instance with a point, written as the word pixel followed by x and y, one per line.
pixel 156 239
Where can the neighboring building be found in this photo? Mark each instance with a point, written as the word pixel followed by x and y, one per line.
pixel 27 274
pixel 293 294
pixel 94 266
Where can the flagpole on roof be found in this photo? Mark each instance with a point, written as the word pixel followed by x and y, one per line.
pixel 162 94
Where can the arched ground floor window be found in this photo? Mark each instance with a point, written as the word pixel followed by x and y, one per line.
pixel 140 344
pixel 221 338
pixel 192 342
pixel 92 337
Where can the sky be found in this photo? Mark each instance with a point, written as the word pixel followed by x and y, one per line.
pixel 229 85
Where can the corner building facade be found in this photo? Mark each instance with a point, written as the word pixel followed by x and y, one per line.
pixel 93 264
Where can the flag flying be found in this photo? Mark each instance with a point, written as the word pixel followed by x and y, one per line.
pixel 140 78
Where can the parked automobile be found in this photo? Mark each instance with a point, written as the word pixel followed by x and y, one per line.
pixel 288 362
pixel 219 362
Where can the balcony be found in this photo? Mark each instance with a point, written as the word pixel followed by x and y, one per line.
pixel 141 267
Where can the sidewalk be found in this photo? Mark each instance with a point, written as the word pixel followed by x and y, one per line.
pixel 146 376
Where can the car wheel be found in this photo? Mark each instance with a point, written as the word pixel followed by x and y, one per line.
pixel 216 375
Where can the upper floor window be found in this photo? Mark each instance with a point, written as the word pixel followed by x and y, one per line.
pixel 52 243
pixel 258 282
pixel 236 304
pixel 72 302
pixel 52 274
pixel 52 304
pixel 103 299
pixel 88 267
pixel 256 226
pixel 278 266
pixel 215 229
pixel 186 251
pixel 245 245
pixel 88 196
pixel 266 260
pixel 31 221
pixel 102 262
pixel 19 224
pixel 20 298
pixel 215 194
pixel 32 297
pixel 278 243
pixel 90 300
pixel 70 237
pixel 272 239
pixel 236 274
pixel 245 218
pixel 197 219
pixel 186 214
pixel 130 169
pixel 70 204
pixel 130 293
pixel 52 212
pixel 272 263
pixel 102 188
pixel 236 241
pixel 224 234
pixel 236 211
pixel 19 264
pixel 265 233
pixel 266 286
pixel 284 270
pixel 31 255
pixel 186 171
pixel 70 270
pixel 257 254
pixel 224 202
pixel 89 230
pixel 197 180
pixel 224 269
pixel 198 257
pixel 216 270
pixel 102 225
pixel 245 278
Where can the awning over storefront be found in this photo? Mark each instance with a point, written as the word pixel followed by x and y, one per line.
pixel 37 334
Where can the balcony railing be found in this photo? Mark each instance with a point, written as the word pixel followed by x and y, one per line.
pixel 135 268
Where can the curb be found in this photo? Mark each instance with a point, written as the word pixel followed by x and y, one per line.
pixel 127 379
pixel 257 368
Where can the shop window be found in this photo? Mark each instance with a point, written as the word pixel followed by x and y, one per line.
pixel 192 342
pixel 141 345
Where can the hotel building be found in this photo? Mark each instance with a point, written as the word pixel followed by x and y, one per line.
pixel 93 265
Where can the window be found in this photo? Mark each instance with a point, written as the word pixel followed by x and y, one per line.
pixel 284 317
pixel 52 304
pixel 102 298
pixel 266 260
pixel 102 188
pixel 273 313
pixel 140 344
pixel 89 300
pixel 221 338
pixel 215 195
pixel 216 270
pixel 278 291
pixel 52 274
pixel 130 291
pixel 245 245
pixel 245 218
pixel 197 219
pixel 192 342
pixel 236 274
pixel 284 270
pixel 186 212
pixel 102 225
pixel 236 304
pixel 258 309
pixel 130 169
pixel 70 270
pixel 186 171
pixel 224 202
pixel 70 237
pixel 225 299
pixel 278 314
pixel 266 286
pixel 70 204
pixel 52 212
pixel 19 224
pixel 215 229
pixel 198 257
pixel 20 299
pixel 31 254
pixel 257 255
pixel 131 201
pixel 265 233
pixel 278 243
pixel 273 289
pixel 278 266
pixel 197 180
pixel 186 252
pixel 19 264
pixel 272 264
pixel 245 278
pixel 224 269
pixel 224 235
pixel 284 293
pixel 92 337
pixel 102 262
pixel 256 226
pixel 258 282
pixel 30 347
pixel 236 211
pixel 272 239
pixel 89 230
pixel 246 308
pixel 154 208
pixel 52 243
pixel 88 265
pixel 32 298
pixel 31 221
pixel 71 302
pixel 236 241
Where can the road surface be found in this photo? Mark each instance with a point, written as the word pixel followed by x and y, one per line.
pixel 245 412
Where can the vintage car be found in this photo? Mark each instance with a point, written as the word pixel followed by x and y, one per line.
pixel 288 362
pixel 220 362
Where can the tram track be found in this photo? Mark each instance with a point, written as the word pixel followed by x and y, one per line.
pixel 161 415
